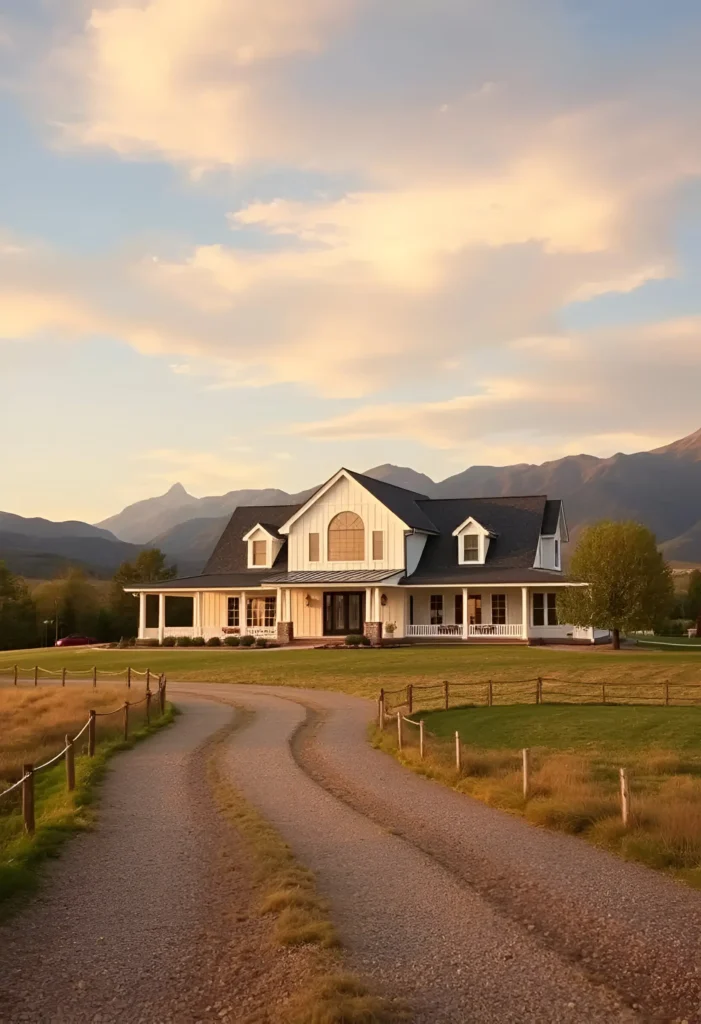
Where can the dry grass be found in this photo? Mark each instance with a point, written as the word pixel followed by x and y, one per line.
pixel 35 722
pixel 287 891
pixel 577 792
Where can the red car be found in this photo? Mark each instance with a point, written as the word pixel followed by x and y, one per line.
pixel 75 640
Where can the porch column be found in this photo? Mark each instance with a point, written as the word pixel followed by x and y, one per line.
pixel 161 617
pixel 197 614
pixel 242 613
pixel 279 610
pixel 142 615
pixel 377 605
pixel 524 612
pixel 368 605
pixel 465 615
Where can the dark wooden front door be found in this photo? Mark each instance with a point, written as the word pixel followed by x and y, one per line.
pixel 344 612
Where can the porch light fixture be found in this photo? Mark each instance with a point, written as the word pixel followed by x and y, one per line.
pixel 383 600
pixel 308 600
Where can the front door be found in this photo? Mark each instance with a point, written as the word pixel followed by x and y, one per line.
pixel 343 612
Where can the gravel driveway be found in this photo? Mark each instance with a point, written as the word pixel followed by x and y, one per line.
pixel 406 921
pixel 147 918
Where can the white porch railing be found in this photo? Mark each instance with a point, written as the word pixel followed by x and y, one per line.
pixel 267 631
pixel 513 629
pixel 151 633
pixel 443 630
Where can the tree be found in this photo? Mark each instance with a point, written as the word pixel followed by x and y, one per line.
pixel 148 567
pixel 72 599
pixel 18 617
pixel 629 585
pixel 693 600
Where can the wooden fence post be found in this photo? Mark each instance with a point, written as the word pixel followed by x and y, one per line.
pixel 458 757
pixel 15 675
pixel 148 707
pixel 63 677
pixel 539 691
pixel 148 678
pixel 410 697
pixel 129 677
pixel 36 675
pixel 126 719
pixel 28 798
pixel 421 739
pixel 381 714
pixel 490 694
pixel 603 692
pixel 70 764
pixel 446 687
pixel 399 730
pixel 94 676
pixel 625 796
pixel 91 735
pixel 163 691
pixel 526 772
pixel 666 694
pixel 162 694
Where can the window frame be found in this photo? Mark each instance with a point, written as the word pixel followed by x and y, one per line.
pixel 499 599
pixel 458 609
pixel 378 539
pixel 472 537
pixel 435 609
pixel 233 612
pixel 545 607
pixel 255 549
pixel 351 537
pixel 314 556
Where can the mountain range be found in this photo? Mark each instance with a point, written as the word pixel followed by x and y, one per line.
pixel 661 488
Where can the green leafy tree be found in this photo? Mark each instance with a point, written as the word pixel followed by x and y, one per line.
pixel 148 567
pixel 693 600
pixel 73 599
pixel 18 616
pixel 629 585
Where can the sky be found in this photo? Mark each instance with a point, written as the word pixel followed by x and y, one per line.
pixel 244 242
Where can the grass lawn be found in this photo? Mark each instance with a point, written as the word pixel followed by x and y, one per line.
pixel 576 754
pixel 365 671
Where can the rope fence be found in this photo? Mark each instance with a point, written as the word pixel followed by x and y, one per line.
pixel 29 771
pixel 538 690
pixel 23 674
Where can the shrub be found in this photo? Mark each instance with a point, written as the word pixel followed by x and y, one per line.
pixel 183 641
pixel 198 641
pixel 214 641
pixel 168 641
pixel 261 642
pixel 129 641
pixel 149 643
pixel 247 641
pixel 357 640
pixel 232 641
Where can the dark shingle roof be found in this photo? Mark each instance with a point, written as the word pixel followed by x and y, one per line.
pixel 231 553
pixel 482 576
pixel 404 503
pixel 551 515
pixel 515 522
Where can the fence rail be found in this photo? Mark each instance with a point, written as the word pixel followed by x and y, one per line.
pixel 35 674
pixel 538 690
pixel 29 771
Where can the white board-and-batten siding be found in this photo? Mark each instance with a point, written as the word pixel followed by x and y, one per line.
pixel 346 496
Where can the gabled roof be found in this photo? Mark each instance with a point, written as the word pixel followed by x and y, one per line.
pixel 515 524
pixel 231 553
pixel 471 521
pixel 266 527
pixel 551 516
pixel 402 502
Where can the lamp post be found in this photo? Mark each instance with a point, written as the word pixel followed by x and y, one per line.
pixel 47 623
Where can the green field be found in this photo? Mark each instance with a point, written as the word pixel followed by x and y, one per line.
pixel 585 729
pixel 365 671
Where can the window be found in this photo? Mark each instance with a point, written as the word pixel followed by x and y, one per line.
pixel 458 609
pixel 411 609
pixel 471 547
pixel 499 609
pixel 346 538
pixel 260 611
pixel 313 547
pixel 378 545
pixel 545 610
pixel 436 609
pixel 474 609
pixel 260 555
pixel 557 554
pixel 232 611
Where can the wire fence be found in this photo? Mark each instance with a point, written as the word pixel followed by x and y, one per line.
pixel 25 786
pixel 34 675
pixel 538 690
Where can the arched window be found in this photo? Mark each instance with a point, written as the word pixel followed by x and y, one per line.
pixel 346 538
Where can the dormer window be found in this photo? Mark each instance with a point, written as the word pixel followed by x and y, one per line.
pixel 471 547
pixel 260 555
pixel 473 542
pixel 263 547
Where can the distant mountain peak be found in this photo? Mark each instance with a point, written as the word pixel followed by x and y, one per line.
pixel 177 491
pixel 688 446
pixel 403 476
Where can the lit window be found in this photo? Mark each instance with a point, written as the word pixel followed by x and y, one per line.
pixel 498 609
pixel 232 611
pixel 436 609
pixel 260 611
pixel 259 552
pixel 378 545
pixel 313 547
pixel 346 538
pixel 471 547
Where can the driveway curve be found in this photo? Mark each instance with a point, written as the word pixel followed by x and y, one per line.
pixel 406 921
